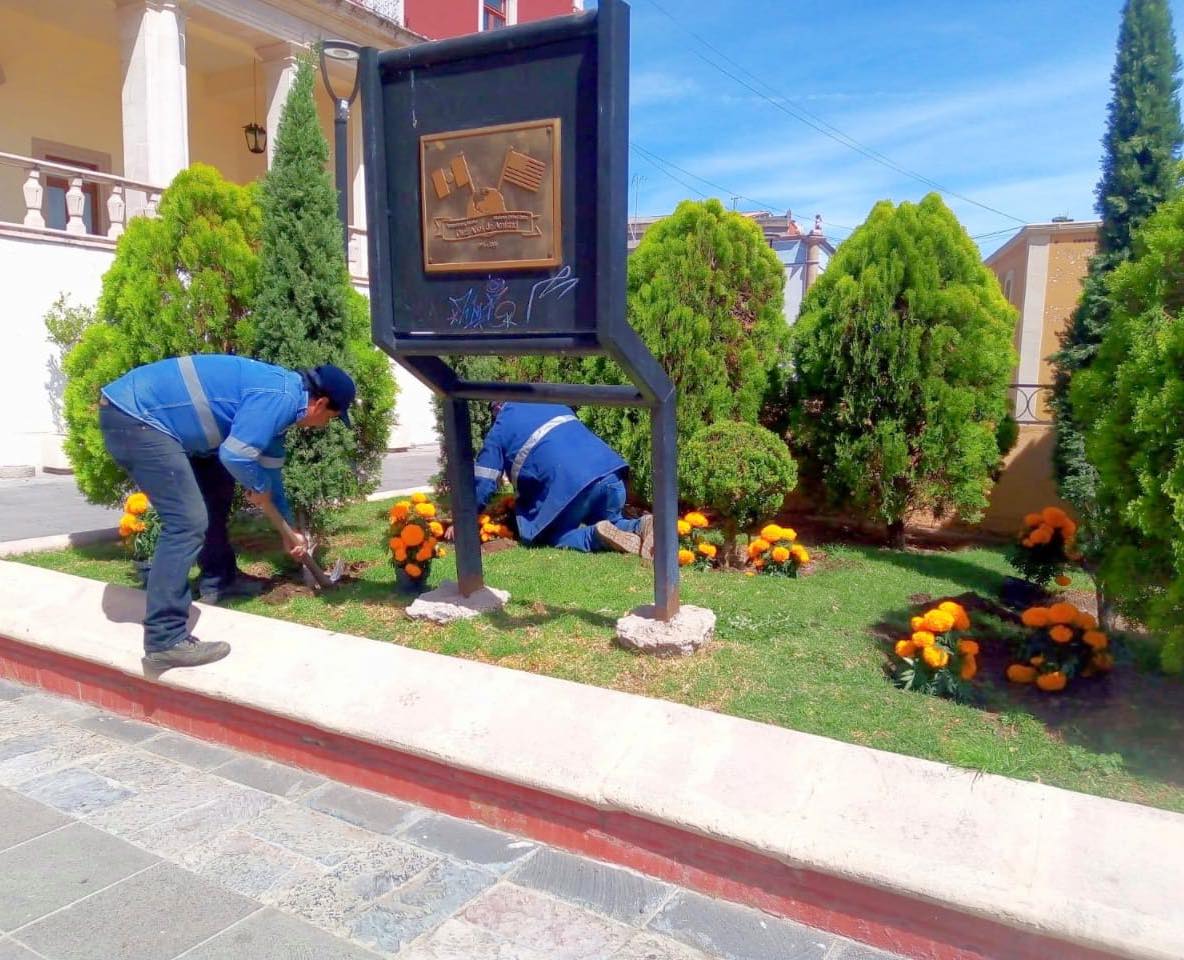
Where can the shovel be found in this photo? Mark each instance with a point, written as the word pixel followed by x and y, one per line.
pixel 321 578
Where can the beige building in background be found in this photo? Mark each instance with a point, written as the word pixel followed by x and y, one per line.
pixel 1041 270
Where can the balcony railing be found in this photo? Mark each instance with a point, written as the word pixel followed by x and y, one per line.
pixel 391 10
pixel 96 204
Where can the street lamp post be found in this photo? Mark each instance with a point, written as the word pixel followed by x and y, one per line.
pixel 345 52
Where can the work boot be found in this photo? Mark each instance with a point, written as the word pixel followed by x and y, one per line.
pixel 190 652
pixel 240 586
pixel 645 530
pixel 616 539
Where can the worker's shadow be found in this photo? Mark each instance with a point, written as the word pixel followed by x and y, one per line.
pixel 125 605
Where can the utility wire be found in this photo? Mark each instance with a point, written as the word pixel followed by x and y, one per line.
pixel 802 115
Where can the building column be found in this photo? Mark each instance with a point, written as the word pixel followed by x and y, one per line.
pixel 279 62
pixel 155 95
pixel 358 252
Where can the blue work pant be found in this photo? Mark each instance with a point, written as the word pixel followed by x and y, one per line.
pixel 575 526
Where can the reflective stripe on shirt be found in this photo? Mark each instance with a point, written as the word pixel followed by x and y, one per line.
pixel 487 473
pixel 271 463
pixel 533 441
pixel 201 405
pixel 235 445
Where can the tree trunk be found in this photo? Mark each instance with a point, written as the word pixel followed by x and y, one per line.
pixel 896 535
pixel 1107 618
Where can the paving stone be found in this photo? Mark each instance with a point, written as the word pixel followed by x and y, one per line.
pixel 60 747
pixel 10 950
pixel 850 950
pixel 323 839
pixel 271 935
pixel 732 932
pixel 557 930
pixel 617 893
pixel 60 868
pixel 76 791
pixel 162 803
pixel 58 708
pixel 154 915
pixel 19 722
pixel 11 691
pixel 355 883
pixel 170 838
pixel 419 905
pixel 187 750
pixel 245 864
pixel 362 808
pixel 459 940
pixel 468 841
pixel 22 819
pixel 140 771
pixel 269 777
pixel 649 946
pixel 118 728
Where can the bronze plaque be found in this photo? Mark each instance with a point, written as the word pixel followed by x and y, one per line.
pixel 490 198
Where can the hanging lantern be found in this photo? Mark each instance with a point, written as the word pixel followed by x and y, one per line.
pixel 256 138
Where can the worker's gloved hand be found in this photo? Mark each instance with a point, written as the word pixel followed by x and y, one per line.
pixel 296 544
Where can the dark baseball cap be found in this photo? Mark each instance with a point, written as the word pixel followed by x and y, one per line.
pixel 338 386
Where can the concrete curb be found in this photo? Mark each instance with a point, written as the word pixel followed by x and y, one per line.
pixel 914 856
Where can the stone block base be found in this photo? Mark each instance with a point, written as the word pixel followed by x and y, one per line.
pixel 446 603
pixel 683 634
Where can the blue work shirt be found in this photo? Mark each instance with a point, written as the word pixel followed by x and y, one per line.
pixel 550 458
pixel 210 403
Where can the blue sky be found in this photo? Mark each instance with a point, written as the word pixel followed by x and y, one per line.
pixel 1003 101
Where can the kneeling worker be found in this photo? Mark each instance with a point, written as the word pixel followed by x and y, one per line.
pixel 569 483
pixel 185 429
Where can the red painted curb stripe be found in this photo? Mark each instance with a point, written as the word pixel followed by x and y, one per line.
pixel 889 921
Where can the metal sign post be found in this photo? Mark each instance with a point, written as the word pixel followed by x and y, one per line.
pixel 496 198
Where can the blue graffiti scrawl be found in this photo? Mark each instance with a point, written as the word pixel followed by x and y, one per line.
pixel 489 309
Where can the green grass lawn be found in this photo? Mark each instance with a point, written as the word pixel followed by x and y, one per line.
pixel 805 654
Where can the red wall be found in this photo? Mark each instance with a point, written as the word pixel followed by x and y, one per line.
pixel 437 19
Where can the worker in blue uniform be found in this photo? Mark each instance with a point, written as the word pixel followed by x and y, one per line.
pixel 186 429
pixel 569 484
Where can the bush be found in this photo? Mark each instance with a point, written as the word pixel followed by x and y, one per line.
pixel 739 471
pixel 1064 643
pixel 705 296
pixel 934 659
pixel 775 552
pixel 903 353
pixel 1132 397
pixel 181 283
pixel 1046 546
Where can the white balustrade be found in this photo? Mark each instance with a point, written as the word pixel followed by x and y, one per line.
pixel 34 192
pixel 116 209
pixel 75 207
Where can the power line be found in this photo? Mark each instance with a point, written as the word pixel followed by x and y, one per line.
pixel 802 115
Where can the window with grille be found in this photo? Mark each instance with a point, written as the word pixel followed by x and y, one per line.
pixel 493 14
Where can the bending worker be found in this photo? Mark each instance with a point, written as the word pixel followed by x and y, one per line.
pixel 185 429
pixel 569 483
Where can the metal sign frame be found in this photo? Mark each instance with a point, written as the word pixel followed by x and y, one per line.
pixel 604 36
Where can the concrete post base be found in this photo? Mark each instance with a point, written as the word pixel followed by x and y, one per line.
pixel 682 635
pixel 446 603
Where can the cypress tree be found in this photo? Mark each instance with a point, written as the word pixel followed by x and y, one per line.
pixel 903 353
pixel 1142 141
pixel 301 310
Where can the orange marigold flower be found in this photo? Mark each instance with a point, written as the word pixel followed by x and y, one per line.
pixel 969 668
pixel 696 519
pixel 968 646
pixel 771 532
pixel 1063 581
pixel 413 571
pixel 935 657
pixel 799 553
pixel 938 621
pixel 758 546
pixel 413 535
pixel 400 511
pixel 425 509
pixel 1041 535
pixel 759 564
pixel 707 549
pixel 952 608
pixel 1096 639
pixel 1035 617
pixel 1060 633
pixel 1069 529
pixel 789 533
pixel 401 552
pixel 917 623
pixel 962 622
pixel 419 498
pixel 923 638
pixel 684 528
pixel 1103 661
pixel 1033 520
pixel 395 543
pixel 425 552
pixel 484 519
pixel 1052 682
pixel 137 504
pixel 1054 516
pixel 437 528
pixel 1087 621
pixel 126 522
pixel 441 552
pixel 905 647
pixel 780 554
pixel 1062 613
pixel 1020 673
pixel 685 557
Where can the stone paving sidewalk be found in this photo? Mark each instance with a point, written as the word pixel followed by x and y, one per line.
pixel 122 841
